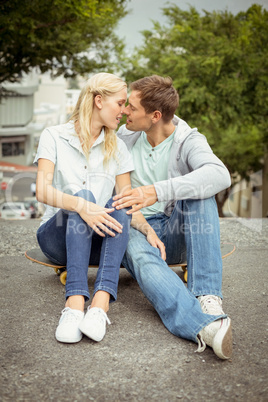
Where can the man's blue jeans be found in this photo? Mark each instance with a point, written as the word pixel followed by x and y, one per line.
pixel 192 232
pixel 67 240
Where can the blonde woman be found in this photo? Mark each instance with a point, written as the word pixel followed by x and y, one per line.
pixel 79 165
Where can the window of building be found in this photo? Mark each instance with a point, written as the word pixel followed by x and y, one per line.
pixel 13 146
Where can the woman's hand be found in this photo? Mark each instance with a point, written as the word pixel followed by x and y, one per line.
pixel 154 240
pixel 98 218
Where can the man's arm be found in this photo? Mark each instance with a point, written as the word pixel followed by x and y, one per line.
pixel 202 173
pixel 205 176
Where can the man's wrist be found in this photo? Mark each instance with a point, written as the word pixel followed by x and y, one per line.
pixel 149 230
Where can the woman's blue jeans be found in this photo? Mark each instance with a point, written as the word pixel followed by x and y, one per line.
pixel 66 239
pixel 192 233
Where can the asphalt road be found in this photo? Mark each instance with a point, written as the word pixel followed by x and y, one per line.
pixel 138 360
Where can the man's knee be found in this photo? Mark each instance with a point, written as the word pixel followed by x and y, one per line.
pixel 200 206
pixel 193 208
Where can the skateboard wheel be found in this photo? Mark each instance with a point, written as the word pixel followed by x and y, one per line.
pixel 63 277
pixel 185 275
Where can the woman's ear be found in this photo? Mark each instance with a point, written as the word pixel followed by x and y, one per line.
pixel 98 101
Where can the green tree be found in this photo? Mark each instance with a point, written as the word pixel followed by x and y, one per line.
pixel 218 63
pixel 66 37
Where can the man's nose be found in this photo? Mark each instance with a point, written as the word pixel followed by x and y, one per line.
pixel 126 110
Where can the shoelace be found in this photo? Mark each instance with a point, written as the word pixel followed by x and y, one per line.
pixel 201 344
pixel 100 317
pixel 69 315
pixel 211 304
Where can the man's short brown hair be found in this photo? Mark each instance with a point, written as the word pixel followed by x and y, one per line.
pixel 157 93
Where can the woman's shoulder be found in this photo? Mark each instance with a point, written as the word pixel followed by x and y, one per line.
pixel 60 130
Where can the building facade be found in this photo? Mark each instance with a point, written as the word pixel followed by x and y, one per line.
pixel 16 127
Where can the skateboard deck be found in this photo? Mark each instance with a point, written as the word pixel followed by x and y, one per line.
pixel 37 256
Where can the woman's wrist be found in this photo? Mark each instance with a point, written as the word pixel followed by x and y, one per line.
pixel 77 204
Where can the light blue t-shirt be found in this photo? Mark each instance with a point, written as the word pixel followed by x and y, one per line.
pixel 151 165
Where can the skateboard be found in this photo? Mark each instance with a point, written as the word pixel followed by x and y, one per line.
pixel 37 256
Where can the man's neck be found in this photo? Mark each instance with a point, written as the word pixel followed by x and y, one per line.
pixel 159 133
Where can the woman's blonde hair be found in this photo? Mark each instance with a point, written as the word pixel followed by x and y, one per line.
pixel 103 84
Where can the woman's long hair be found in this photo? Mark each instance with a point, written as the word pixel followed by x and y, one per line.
pixel 103 84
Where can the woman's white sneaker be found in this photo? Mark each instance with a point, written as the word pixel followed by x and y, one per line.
pixel 68 329
pixel 94 323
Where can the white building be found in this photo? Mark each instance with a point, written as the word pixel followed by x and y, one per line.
pixel 16 127
pixel 32 104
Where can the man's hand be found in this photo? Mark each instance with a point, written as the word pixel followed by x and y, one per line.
pixel 137 198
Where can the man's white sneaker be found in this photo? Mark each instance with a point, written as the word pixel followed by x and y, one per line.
pixel 67 330
pixel 211 304
pixel 94 323
pixel 217 335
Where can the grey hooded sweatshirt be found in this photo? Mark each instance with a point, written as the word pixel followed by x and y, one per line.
pixel 194 172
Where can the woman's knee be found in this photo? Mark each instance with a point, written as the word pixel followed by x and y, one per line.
pixel 121 216
pixel 86 195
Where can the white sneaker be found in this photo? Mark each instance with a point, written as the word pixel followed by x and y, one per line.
pixel 217 335
pixel 211 304
pixel 94 323
pixel 67 330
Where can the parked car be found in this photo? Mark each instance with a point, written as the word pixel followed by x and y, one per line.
pixel 14 210
pixel 30 206
pixel 36 208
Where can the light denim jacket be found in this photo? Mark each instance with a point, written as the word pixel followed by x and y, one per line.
pixel 194 171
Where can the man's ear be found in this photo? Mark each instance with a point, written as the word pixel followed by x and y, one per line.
pixel 156 116
pixel 98 101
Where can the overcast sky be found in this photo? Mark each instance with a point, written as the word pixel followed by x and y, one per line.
pixel 144 11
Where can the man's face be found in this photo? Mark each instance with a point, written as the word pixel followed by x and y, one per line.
pixel 137 118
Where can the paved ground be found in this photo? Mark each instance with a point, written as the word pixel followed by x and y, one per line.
pixel 139 359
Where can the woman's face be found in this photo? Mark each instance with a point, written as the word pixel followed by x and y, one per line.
pixel 111 107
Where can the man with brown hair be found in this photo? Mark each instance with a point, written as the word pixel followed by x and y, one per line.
pixel 174 183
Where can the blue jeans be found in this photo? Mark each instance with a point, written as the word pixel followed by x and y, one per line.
pixel 66 239
pixel 192 233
